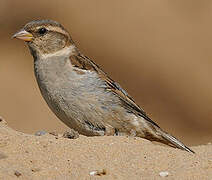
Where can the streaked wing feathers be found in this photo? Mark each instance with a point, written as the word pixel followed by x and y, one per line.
pixel 84 63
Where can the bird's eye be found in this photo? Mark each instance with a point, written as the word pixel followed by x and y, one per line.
pixel 42 31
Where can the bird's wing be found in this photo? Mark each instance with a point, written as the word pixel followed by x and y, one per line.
pixel 82 62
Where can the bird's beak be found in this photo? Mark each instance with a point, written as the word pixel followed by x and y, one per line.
pixel 23 35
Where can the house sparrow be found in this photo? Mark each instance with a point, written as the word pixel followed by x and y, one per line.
pixel 80 93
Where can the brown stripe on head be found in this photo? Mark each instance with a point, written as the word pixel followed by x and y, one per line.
pixel 39 23
pixel 54 29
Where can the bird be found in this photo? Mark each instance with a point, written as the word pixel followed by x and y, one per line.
pixel 80 93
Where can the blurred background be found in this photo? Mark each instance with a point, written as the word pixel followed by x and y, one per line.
pixel 159 51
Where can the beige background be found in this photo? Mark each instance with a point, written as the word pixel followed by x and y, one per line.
pixel 159 51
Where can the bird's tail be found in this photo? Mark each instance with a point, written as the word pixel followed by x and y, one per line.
pixel 171 140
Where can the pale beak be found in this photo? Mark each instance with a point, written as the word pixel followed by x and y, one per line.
pixel 23 35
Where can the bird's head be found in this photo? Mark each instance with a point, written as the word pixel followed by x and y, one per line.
pixel 44 36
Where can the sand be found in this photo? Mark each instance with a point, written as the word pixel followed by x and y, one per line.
pixel 52 156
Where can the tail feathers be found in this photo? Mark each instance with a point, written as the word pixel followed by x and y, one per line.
pixel 174 141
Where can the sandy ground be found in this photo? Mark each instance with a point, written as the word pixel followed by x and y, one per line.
pixel 51 156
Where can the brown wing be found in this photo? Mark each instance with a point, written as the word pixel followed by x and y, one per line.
pixel 83 62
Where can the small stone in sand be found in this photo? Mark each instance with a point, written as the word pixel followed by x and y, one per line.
pixel 40 133
pixel 164 173
pixel 98 172
pixel 17 173
pixel 35 169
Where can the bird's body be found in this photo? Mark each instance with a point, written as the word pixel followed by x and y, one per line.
pixel 81 94
pixel 100 110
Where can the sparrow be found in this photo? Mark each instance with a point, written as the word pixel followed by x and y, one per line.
pixel 80 93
